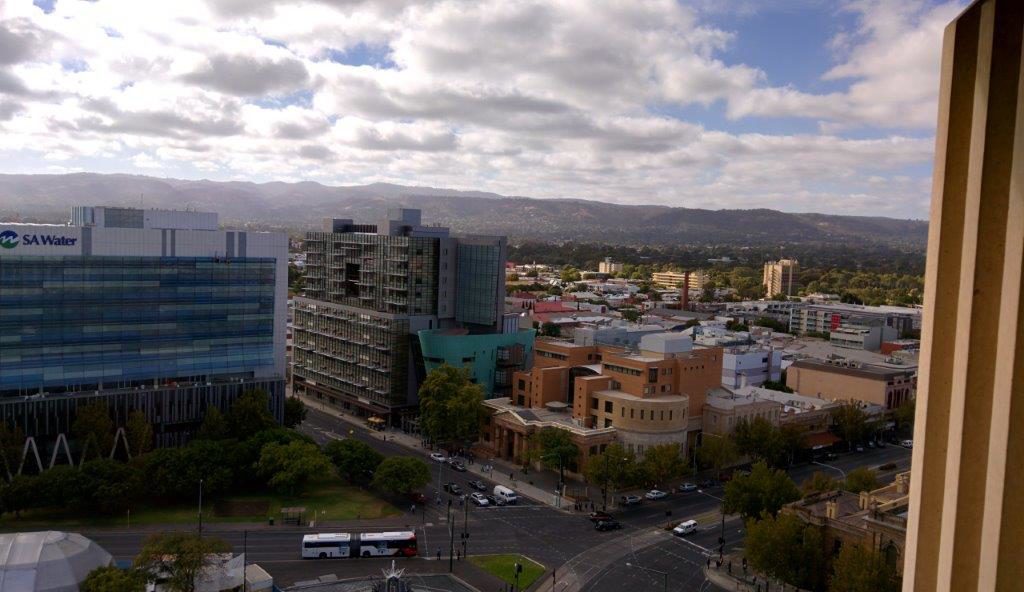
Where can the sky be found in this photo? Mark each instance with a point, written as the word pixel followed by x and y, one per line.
pixel 797 105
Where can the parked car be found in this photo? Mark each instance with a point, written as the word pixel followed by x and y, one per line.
pixel 655 494
pixel 687 487
pixel 437 456
pixel 608 525
pixel 600 517
pixel 881 444
pixel 453 488
pixel 417 498
pixel 495 501
pixel 457 466
pixel 478 485
pixel 708 483
pixel 630 500
pixel 871 443
pixel 479 499
pixel 685 528
pixel 907 443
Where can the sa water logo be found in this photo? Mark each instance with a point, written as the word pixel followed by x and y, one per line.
pixel 8 239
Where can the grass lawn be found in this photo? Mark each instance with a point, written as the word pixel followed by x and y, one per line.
pixel 326 500
pixel 503 568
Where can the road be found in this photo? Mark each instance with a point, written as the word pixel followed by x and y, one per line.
pixel 567 541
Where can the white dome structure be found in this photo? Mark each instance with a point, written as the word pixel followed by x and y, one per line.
pixel 49 561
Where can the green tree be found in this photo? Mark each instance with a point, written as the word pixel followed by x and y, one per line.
pixel 93 430
pixel 571 274
pixel 112 485
pixel 356 461
pixel 139 433
pixel 401 475
pixel 662 463
pixel 857 569
pixel 776 386
pixel 451 407
pixel 288 467
pixel 214 426
pixel 630 314
pixel 759 440
pixel 819 483
pixel 851 422
pixel 114 579
pixel 903 416
pixel 763 490
pixel 786 548
pixel 555 448
pixel 294 412
pixel 12 441
pixel 250 414
pixel 861 479
pixel 20 494
pixel 531 273
pixel 63 486
pixel 614 468
pixel 717 452
pixel 176 558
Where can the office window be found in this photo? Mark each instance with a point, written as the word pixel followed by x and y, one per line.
pixel 608 406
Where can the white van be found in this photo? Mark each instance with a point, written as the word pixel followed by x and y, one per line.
pixel 504 493
pixel 685 528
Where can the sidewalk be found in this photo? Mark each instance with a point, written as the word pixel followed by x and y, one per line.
pixel 740 581
pixel 536 485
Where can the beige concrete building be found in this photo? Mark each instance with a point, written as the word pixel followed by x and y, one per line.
pixel 609 266
pixel 966 520
pixel 724 409
pixel 852 381
pixel 780 277
pixel 675 279
pixel 875 520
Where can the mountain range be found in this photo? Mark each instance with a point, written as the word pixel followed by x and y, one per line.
pixel 297 206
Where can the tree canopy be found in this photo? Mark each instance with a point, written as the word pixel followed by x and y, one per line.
pixel 113 579
pixel 294 412
pixel 861 479
pixel 250 414
pixel 662 463
pixel 451 406
pixel 763 490
pixel 616 467
pixel 401 475
pixel 786 548
pixel 355 460
pixel 554 444
pixel 178 557
pixel 851 421
pixel 858 569
pixel 717 452
pixel 288 467
pixel 93 430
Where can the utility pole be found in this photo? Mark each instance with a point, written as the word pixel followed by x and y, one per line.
pixel 245 559
pixel 465 528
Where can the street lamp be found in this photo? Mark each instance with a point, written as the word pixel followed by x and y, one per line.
pixel 656 571
pixel 561 476
pixel 200 508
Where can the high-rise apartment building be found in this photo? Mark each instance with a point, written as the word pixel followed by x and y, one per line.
pixel 781 277
pixel 674 279
pixel 370 289
pixel 152 310
pixel 609 266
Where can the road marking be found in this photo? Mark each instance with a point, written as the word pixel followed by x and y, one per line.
pixel 693 544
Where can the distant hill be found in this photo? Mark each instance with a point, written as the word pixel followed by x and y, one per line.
pixel 303 205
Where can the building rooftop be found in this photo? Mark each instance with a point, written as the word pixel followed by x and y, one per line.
pixel 856 369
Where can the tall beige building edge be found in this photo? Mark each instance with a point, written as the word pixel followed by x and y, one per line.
pixel 965 530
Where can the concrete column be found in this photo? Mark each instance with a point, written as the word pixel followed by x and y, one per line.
pixel 965 529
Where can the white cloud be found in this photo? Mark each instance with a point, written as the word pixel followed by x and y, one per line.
pixel 544 98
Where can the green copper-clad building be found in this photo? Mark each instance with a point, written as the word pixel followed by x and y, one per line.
pixel 491 358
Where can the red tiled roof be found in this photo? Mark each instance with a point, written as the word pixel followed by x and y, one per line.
pixel 524 295
pixel 556 306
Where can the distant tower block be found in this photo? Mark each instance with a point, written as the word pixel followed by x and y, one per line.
pixel 684 292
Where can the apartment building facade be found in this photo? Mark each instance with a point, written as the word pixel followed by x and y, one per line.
pixel 824 318
pixel 150 310
pixel 781 277
pixel 370 289
pixel 674 279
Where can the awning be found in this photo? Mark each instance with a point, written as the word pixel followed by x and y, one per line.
pixel 822 440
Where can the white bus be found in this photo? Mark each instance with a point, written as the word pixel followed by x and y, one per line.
pixel 324 545
pixel 376 544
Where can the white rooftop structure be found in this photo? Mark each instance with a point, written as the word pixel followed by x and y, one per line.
pixel 666 343
pixel 48 561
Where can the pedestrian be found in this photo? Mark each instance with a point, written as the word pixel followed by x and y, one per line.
pixel 730 567
pixel 718 564
pixel 458 555
pixel 709 563
pixel 439 553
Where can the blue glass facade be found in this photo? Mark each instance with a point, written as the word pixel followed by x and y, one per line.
pixel 81 322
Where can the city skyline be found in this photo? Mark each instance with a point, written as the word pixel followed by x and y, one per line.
pixel 792 106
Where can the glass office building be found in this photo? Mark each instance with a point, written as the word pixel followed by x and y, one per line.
pixel 149 310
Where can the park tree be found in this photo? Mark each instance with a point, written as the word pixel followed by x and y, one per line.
pixel 858 569
pixel 614 468
pixel 549 329
pixel 401 475
pixel 759 440
pixel 763 490
pixel 111 578
pixel 662 463
pixel 250 414
pixel 113 485
pixel 786 548
pixel 819 483
pixel 139 433
pixel 903 416
pixel 851 421
pixel 861 479
pixel 214 426
pixel 717 452
pixel 288 467
pixel 451 407
pixel 555 449
pixel 294 412
pixel 355 461
pixel 571 274
pixel 177 558
pixel 93 430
